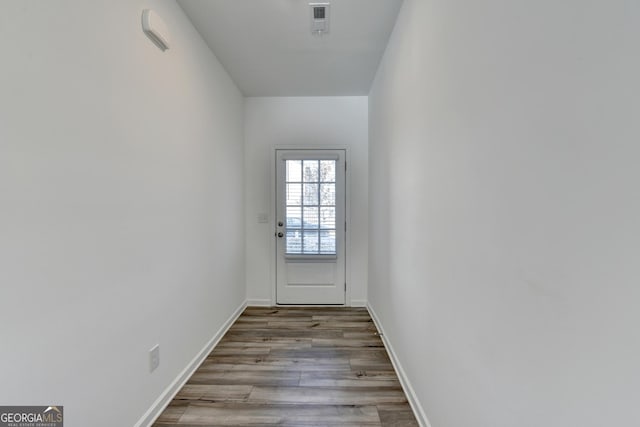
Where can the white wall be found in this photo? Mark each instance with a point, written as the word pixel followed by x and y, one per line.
pixel 504 231
pixel 304 122
pixel 121 205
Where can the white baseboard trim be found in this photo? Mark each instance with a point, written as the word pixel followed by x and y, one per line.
pixel 170 392
pixel 418 410
pixel 358 303
pixel 259 303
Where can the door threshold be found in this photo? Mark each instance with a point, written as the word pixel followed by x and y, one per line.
pixel 310 305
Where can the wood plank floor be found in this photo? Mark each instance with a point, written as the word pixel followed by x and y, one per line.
pixel 294 367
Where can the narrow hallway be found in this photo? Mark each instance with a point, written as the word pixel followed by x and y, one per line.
pixel 466 170
pixel 294 366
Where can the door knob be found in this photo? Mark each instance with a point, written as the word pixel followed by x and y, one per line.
pixel 280 234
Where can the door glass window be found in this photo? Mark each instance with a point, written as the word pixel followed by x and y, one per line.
pixel 311 207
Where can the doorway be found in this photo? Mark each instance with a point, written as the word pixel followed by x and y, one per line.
pixel 310 227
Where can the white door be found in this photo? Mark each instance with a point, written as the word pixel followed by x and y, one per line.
pixel 310 227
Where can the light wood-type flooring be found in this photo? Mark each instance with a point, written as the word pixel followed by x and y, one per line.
pixel 294 367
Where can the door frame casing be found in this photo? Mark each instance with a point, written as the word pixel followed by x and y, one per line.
pixel 273 218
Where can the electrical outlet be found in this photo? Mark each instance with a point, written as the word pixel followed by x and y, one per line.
pixel 154 358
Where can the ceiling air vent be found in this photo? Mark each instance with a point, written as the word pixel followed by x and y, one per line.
pixel 319 18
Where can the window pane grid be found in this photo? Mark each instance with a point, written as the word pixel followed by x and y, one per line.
pixel 311 207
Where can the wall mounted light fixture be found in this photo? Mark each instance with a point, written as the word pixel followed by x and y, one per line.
pixel 155 28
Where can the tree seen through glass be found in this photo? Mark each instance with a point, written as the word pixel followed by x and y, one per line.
pixel 311 207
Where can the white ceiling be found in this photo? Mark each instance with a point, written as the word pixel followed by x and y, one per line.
pixel 268 49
